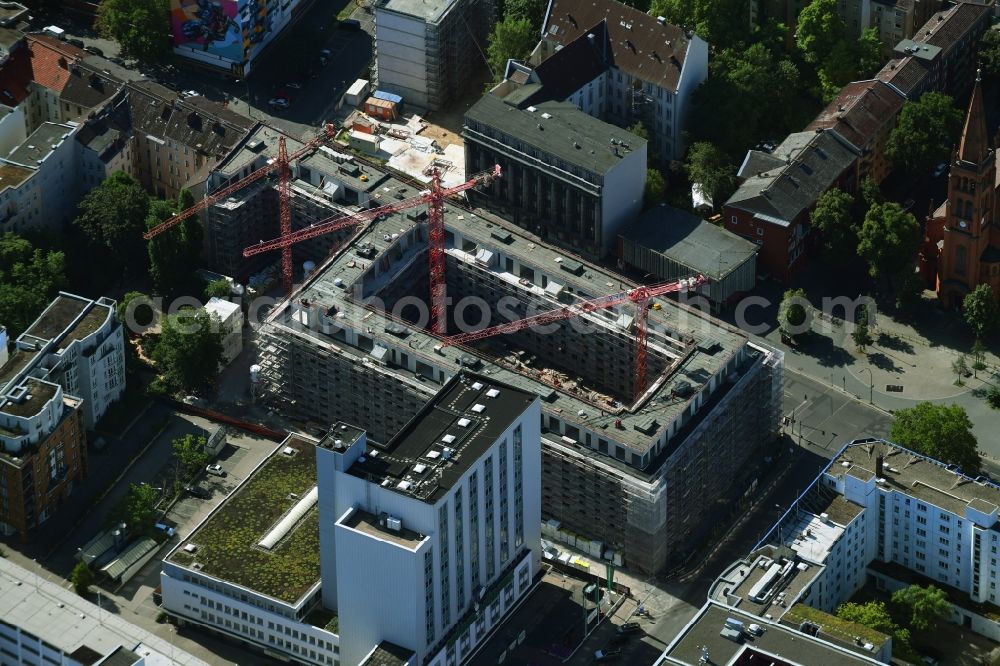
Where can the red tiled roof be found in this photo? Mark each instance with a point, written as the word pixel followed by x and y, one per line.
pixel 50 60
pixel 859 112
pixel 15 77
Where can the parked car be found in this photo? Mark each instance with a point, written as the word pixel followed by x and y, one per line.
pixel 215 470
pixel 166 529
pixel 630 628
pixel 940 169
pixel 608 654
pixel 324 56
pixel 78 43
pixel 93 50
pixel 195 491
pixel 278 103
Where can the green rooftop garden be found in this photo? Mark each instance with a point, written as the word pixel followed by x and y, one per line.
pixel 832 625
pixel 227 542
pixel 324 619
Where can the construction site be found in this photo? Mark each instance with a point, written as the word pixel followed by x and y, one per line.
pixel 655 415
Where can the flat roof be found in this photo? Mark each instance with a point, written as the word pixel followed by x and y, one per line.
pixel 38 394
pixel 388 654
pixel 713 342
pixel 430 11
pixel 227 540
pixel 70 623
pixel 557 128
pixel 368 523
pixel 57 317
pixel 687 239
pixel 786 644
pixel 42 141
pixel 447 436
pixel 12 175
pixel 923 478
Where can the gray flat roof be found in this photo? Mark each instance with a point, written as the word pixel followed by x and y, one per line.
pixel 687 239
pixel 923 478
pixel 37 146
pixel 695 369
pixel 68 622
pixel 568 133
pixel 446 437
pixel 368 523
pixel 430 11
pixel 788 645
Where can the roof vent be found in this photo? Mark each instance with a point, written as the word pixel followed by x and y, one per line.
pixel 393 523
pixel 419 468
pixel 448 439
pixel 446 453
pixel 479 408
pixel 403 485
pixel 532 109
pixel 546 116
pixel 477 386
pixel 492 393
pixel 464 422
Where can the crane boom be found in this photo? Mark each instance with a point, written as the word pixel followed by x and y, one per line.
pixel 338 222
pixel 218 195
pixel 637 295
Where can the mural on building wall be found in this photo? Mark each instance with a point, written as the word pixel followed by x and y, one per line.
pixel 228 29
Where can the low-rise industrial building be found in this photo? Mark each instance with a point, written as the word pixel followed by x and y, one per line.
pixel 668 243
pixel 570 178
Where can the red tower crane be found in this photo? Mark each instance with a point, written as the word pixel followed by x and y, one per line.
pixel 640 296
pixel 282 166
pixel 434 198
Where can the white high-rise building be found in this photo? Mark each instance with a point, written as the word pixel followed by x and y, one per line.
pixel 438 529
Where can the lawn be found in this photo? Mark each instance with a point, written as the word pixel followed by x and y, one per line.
pixel 834 626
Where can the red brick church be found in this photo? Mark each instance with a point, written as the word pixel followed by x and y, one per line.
pixel 962 242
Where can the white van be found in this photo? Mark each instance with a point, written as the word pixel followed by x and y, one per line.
pixel 55 31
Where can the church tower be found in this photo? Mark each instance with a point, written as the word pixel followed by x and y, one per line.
pixel 968 256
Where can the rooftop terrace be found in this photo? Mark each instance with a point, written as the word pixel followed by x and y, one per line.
pixel 368 523
pixel 227 541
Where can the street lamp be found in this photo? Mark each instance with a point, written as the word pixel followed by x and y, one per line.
pixel 871 386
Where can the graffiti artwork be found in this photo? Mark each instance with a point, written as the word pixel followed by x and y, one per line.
pixel 219 27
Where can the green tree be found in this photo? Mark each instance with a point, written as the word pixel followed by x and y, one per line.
pixel 924 134
pixel 218 289
pixel 722 23
pixel 531 10
pixel 712 169
pixel 833 217
pixel 875 615
pixel 142 308
pixel 943 432
pixel 189 351
pixel 961 368
pixel 979 307
pixel 819 30
pixel 988 53
pixel 888 239
pixel 869 51
pixel 978 352
pixel 839 68
pixel 137 509
pixel 871 193
pixel 928 606
pixel 29 278
pixel 113 218
pixel 82 578
pixel 655 188
pixel 792 313
pixel 908 291
pixel 174 254
pixel 141 27
pixel 189 451
pixel 639 130
pixel 862 336
pixel 510 38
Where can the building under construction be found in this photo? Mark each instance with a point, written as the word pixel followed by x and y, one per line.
pixel 643 476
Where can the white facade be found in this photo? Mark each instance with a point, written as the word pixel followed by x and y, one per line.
pixel 471 554
pixel 230 318
pixel 40 190
pixel 86 357
pixel 402 55
pixel 621 195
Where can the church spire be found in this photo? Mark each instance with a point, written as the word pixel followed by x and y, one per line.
pixel 974 147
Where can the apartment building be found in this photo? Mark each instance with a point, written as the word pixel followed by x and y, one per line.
pixel 450 506
pixel 619 461
pixel 38 190
pixel 76 343
pixel 44 453
pixel 325 184
pixel 105 144
pixel 229 38
pixel 778 191
pixel 179 138
pixel 426 52
pixel 877 513
pixel 863 114
pixel 568 177
pixel 620 65
pixel 349 548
